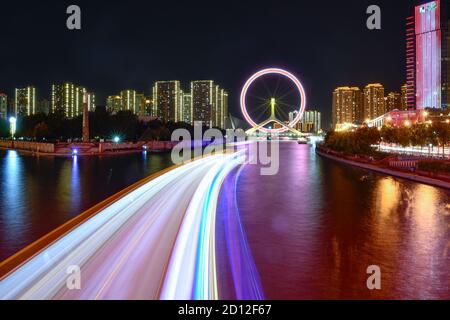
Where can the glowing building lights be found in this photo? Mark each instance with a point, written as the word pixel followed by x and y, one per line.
pixel 25 101
pixel 209 103
pixel 428 48
pixel 3 106
pixel 374 103
pixel 68 98
pixel 167 101
pixel 347 106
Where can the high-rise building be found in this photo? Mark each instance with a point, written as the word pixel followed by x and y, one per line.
pixel 374 104
pixel 129 101
pixel 393 101
pixel 311 122
pixel 428 56
pixel 404 90
pixel 225 110
pixel 3 106
pixel 347 106
pixel 90 97
pixel 68 99
pixel 167 98
pixel 187 108
pixel 113 103
pixel 140 104
pixel 203 102
pixel 149 106
pixel 25 101
pixel 221 108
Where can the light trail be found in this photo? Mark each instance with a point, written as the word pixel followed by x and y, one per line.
pixel 158 241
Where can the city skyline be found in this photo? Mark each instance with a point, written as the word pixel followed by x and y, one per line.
pixel 93 57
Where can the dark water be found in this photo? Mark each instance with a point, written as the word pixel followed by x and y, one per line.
pixel 314 228
pixel 37 194
pixel 311 231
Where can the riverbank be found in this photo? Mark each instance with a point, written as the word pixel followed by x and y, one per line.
pixel 86 149
pixel 363 163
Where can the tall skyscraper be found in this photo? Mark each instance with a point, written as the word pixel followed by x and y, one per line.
pixel 374 104
pixel 90 97
pixel 25 101
pixel 393 101
pixel 347 106
pixel 311 122
pixel 225 110
pixel 404 90
pixel 140 104
pixel 129 101
pixel 221 108
pixel 67 98
pixel 3 106
pixel 187 108
pixel 203 101
pixel 113 103
pixel 167 103
pixel 428 56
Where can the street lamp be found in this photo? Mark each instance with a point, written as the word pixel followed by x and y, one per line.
pixel 12 126
pixel 116 139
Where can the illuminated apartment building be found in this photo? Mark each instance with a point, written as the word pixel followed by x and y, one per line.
pixel 167 101
pixel 68 98
pixel 393 101
pixel 3 106
pixel 187 108
pixel 374 104
pixel 25 101
pixel 129 101
pixel 113 103
pixel 203 102
pixel 347 106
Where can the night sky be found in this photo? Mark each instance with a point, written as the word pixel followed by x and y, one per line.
pixel 131 44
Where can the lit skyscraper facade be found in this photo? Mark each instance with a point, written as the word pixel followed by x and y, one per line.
pixel 3 106
pixel 203 101
pixel 25 101
pixel 393 101
pixel 129 101
pixel 68 98
pixel 428 56
pixel 404 94
pixel 374 103
pixel 167 101
pixel 90 100
pixel 311 122
pixel 347 106
pixel 187 108
pixel 113 103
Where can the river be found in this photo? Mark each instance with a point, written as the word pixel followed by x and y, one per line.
pixel 310 231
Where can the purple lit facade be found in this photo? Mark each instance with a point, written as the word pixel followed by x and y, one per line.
pixel 426 50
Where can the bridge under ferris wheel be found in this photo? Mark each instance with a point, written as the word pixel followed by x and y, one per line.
pixel 256 130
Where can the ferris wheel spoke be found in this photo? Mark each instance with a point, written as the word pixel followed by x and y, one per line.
pixel 257 97
pixel 281 111
pixel 291 91
pixel 277 87
pixel 267 88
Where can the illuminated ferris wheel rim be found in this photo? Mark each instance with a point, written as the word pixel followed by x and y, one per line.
pixel 282 72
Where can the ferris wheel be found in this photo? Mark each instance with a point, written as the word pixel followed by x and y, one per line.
pixel 273 102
